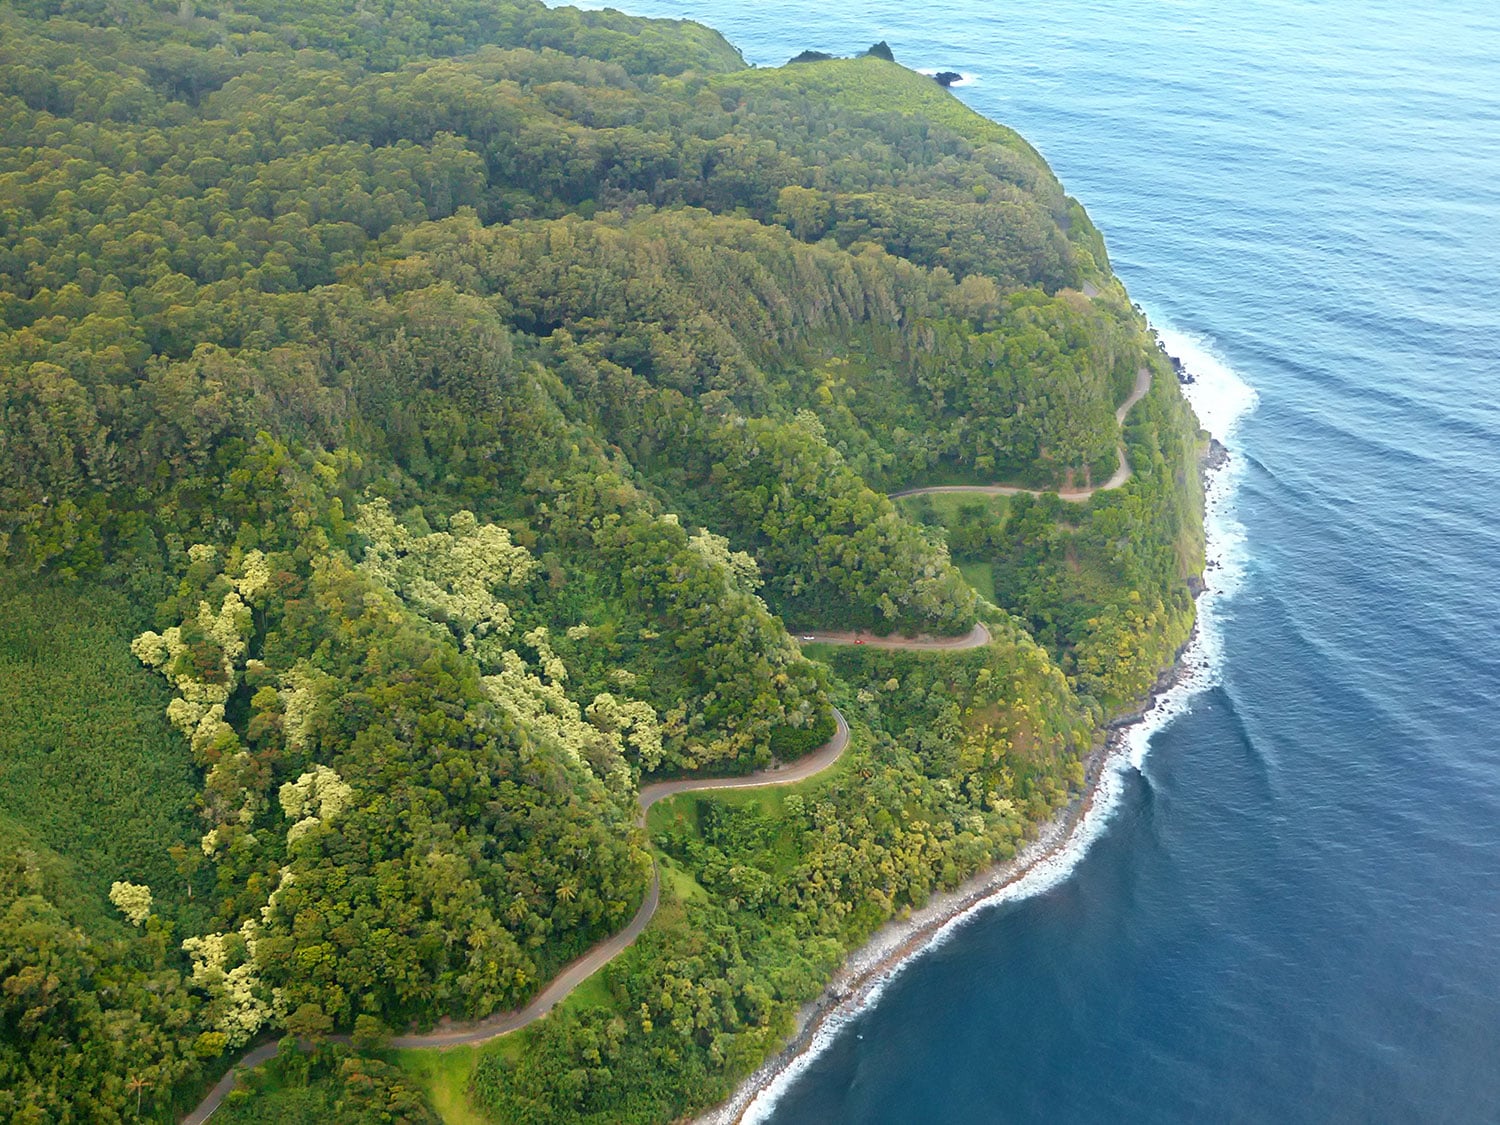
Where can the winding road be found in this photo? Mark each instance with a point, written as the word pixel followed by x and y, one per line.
pixel 1121 474
pixel 576 972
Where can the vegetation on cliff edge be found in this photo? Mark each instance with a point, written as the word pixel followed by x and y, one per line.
pixel 417 429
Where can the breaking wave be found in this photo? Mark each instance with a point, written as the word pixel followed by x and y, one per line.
pixel 1221 399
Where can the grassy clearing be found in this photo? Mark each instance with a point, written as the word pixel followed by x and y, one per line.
pixel 950 510
pixel 945 509
pixel 89 766
pixel 445 1076
pixel 769 800
pixel 817 650
pixel 681 883
pixel 981 576
pixel 588 993
pixel 680 816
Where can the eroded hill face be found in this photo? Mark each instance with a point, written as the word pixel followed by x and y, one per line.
pixel 450 406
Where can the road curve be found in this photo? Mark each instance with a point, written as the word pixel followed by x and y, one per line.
pixel 252 1059
pixel 800 770
pixel 1121 474
pixel 577 971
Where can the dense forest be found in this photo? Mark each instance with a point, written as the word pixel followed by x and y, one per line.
pixel 420 425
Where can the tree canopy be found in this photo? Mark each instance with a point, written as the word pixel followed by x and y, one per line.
pixel 418 426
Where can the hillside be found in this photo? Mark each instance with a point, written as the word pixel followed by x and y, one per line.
pixel 419 427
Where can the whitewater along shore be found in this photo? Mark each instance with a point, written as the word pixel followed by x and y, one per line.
pixel 868 968
pixel 450 1034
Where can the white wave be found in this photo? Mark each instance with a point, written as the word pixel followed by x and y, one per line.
pixel 1221 399
pixel 1219 396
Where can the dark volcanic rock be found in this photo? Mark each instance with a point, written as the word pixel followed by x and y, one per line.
pixel 946 77
pixel 1216 456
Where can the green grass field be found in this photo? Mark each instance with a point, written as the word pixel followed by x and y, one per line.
pixel 769 800
pixel 949 509
pixel 445 1076
pixel 981 576
pixel 943 508
pixel 681 883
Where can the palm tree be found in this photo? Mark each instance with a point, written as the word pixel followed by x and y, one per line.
pixel 135 1084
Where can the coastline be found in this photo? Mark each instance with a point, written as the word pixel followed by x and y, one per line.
pixel 868 968
pixel 900 941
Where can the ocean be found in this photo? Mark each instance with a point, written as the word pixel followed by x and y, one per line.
pixel 1288 907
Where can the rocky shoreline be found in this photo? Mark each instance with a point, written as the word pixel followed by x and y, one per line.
pixel 901 938
pixel 868 967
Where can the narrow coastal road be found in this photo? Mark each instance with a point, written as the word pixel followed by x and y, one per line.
pixel 573 974
pixel 974 638
pixel 264 1053
pixel 578 971
pixel 800 770
pixel 1121 474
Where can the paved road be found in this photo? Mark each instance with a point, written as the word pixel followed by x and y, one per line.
pixel 578 971
pixel 1122 466
pixel 800 770
pixel 222 1087
pixel 974 638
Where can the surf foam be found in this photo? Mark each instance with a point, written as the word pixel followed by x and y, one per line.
pixel 1221 399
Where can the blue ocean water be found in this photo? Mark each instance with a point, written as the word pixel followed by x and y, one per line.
pixel 1292 913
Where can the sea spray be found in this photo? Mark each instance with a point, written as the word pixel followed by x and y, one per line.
pixel 1220 399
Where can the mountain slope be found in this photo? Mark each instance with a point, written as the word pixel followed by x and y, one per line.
pixel 452 403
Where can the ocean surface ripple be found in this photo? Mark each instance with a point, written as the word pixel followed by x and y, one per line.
pixel 1287 908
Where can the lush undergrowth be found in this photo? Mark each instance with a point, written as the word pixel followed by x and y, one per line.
pixel 89 764
pixel 957 757
pixel 330 1084
pixel 415 434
